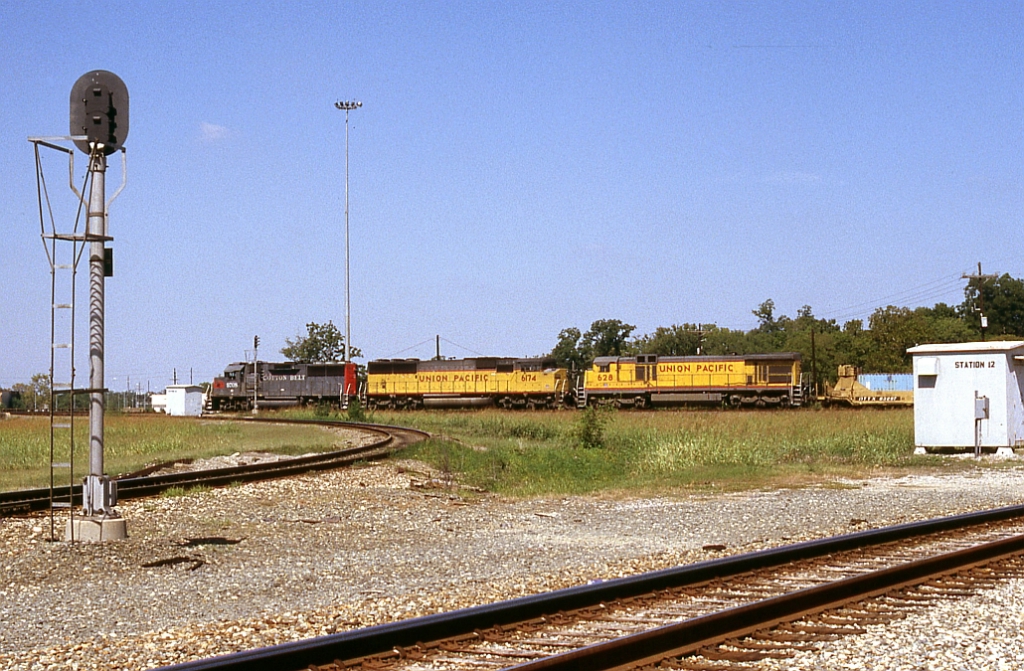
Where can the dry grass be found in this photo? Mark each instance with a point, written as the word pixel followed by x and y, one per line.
pixel 132 442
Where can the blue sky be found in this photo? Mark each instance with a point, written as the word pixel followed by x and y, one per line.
pixel 514 170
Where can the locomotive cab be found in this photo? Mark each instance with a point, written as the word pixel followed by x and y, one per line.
pixel 230 390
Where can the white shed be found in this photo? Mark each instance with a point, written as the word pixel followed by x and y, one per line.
pixel 158 402
pixel 951 384
pixel 184 400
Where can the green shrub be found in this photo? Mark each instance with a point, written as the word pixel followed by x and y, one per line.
pixel 589 429
pixel 355 411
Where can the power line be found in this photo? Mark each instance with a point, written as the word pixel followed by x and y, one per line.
pixel 462 347
pixel 934 289
pixel 395 355
pixel 432 340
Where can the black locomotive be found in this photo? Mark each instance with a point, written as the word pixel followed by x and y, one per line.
pixel 281 384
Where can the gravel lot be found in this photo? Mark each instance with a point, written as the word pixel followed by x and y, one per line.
pixel 253 565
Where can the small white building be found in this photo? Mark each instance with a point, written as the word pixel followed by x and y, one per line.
pixel 158 402
pixel 957 384
pixel 184 400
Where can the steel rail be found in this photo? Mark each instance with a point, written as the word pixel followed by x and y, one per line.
pixel 691 635
pixel 30 500
pixel 405 633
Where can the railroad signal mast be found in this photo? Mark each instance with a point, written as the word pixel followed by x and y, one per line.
pixel 99 126
pixel 255 374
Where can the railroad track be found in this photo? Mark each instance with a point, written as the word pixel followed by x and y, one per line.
pixel 145 483
pixel 711 615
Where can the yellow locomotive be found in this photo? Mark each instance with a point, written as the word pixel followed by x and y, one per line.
pixel 640 381
pixel 453 383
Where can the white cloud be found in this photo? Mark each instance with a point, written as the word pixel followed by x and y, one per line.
pixel 212 132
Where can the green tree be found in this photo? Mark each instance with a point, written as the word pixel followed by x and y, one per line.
pixel 1003 299
pixel 606 337
pixel 770 334
pixel 893 331
pixel 323 343
pixel 945 325
pixel 567 351
pixel 36 394
pixel 765 314
pixel 723 341
pixel 672 340
pixel 853 346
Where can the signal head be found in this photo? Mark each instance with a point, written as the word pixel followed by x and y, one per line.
pixel 99 111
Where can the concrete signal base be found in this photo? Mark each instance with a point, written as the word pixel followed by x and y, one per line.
pixel 96 529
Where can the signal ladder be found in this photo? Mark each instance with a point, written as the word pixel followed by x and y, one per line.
pixel 62 372
pixel 63 252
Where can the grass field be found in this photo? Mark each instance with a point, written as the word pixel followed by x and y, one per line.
pixel 132 442
pixel 542 453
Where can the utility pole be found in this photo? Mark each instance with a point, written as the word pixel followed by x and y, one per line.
pixel 981 296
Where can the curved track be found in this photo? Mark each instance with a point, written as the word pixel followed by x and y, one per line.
pixel 140 484
pixel 494 631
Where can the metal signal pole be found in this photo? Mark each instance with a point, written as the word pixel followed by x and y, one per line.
pixel 99 119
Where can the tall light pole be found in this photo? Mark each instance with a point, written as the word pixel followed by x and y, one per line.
pixel 348 106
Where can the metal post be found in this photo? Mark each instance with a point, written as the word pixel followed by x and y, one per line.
pixel 96 501
pixel 255 376
pixel 348 276
pixel 348 106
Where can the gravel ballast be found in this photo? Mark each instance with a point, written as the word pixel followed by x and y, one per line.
pixel 222 570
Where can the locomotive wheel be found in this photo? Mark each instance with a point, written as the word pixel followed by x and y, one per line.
pixel 640 402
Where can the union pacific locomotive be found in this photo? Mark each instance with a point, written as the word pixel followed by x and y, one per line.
pixel 281 384
pixel 759 380
pixel 448 383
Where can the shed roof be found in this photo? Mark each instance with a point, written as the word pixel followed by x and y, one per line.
pixel 980 347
